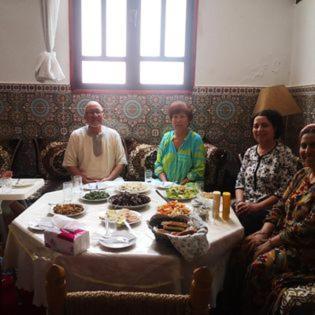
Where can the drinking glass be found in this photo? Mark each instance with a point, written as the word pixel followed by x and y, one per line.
pixel 67 192
pixel 112 217
pixel 148 176
pixel 77 186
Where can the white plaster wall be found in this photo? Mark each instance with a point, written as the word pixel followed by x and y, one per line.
pixel 239 42
pixel 303 44
pixel 244 42
pixel 22 40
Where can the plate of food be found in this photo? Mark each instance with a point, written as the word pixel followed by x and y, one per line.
pixel 119 216
pixel 95 196
pixel 174 208
pixel 181 192
pixel 118 239
pixel 130 201
pixel 69 209
pixel 134 188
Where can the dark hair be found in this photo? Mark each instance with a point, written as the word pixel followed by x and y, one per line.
pixel 307 129
pixel 274 118
pixel 180 107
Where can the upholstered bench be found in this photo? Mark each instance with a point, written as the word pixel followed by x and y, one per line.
pixel 43 158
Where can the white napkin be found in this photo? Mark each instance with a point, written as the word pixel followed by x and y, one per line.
pixel 63 222
pixel 195 245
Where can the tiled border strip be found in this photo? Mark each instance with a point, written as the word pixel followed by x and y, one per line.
pixel 204 90
pixel 20 87
pixel 302 89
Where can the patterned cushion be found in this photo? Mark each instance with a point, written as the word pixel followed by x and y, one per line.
pixel 5 159
pixel 8 150
pixel 298 300
pixel 141 157
pixel 51 160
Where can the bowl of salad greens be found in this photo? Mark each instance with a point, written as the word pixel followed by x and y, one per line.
pixel 95 196
pixel 181 192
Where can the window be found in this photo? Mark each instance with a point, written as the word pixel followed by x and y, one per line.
pixel 132 44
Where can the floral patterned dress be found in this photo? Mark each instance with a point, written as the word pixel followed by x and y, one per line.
pixel 294 220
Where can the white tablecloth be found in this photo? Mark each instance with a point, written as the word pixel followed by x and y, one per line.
pixel 21 189
pixel 147 266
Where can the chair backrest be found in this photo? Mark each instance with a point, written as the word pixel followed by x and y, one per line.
pixel 106 302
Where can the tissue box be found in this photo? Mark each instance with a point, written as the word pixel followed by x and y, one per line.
pixel 71 242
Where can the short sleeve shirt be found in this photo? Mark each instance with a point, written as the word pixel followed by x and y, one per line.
pixel 79 152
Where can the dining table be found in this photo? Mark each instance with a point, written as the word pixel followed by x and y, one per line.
pixel 148 265
pixel 20 189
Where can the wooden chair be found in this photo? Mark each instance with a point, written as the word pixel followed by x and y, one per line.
pixel 126 303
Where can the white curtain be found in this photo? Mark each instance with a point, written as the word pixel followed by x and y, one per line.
pixel 47 67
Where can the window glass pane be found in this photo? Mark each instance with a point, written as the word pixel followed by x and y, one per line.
pixel 175 26
pixel 116 21
pixel 158 72
pixel 150 30
pixel 108 72
pixel 91 27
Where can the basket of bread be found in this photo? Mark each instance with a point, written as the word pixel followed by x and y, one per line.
pixel 174 225
pixel 164 226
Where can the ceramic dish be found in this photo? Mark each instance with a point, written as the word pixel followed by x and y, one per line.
pixel 118 239
pixel 118 216
pixel 134 188
pixel 95 186
pixel 165 185
pixel 94 201
pixel 40 225
pixel 36 227
pixel 22 184
pixel 129 207
pixel 76 214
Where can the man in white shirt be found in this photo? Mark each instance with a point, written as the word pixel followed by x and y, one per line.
pixel 95 152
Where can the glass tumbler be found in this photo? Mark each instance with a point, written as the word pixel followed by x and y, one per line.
pixel 67 192
pixel 148 176
pixel 77 186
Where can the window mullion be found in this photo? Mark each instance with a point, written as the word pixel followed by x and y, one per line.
pixel 133 42
pixel 103 28
pixel 162 41
pixel 188 41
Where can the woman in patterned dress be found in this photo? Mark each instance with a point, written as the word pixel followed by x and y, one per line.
pixel 181 153
pixel 285 244
pixel 265 172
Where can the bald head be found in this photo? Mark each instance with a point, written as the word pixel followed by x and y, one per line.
pixel 92 105
pixel 94 114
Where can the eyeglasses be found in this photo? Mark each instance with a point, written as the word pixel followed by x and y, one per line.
pixel 96 112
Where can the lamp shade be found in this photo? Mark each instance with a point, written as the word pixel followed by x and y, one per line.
pixel 277 98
